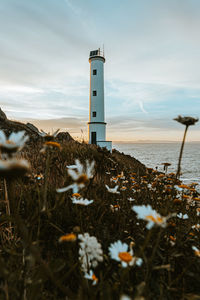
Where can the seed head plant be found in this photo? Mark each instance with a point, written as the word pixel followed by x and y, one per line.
pixel 187 121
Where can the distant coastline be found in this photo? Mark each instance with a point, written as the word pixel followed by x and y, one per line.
pixel 152 142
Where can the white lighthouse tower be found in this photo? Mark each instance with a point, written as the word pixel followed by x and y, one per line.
pixel 96 124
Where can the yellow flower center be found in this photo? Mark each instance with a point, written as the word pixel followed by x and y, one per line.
pixel 10 142
pixel 53 144
pixel 82 179
pixel 125 256
pixel 161 175
pixel 172 238
pixel 116 206
pixel 77 195
pixel 197 199
pixel 197 253
pixel 154 219
pixel 192 234
pixel 183 186
pixel 94 278
pixel 186 196
pixel 71 237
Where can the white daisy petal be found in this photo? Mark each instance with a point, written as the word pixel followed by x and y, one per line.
pixel 65 189
pixel 73 174
pixel 2 137
pixel 81 201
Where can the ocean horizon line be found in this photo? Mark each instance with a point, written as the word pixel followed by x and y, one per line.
pixel 153 142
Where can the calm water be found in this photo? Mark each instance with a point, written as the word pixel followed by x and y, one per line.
pixel 155 154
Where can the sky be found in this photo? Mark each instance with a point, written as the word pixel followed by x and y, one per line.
pixel 152 69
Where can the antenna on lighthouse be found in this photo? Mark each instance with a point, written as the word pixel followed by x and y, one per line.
pixel 103 50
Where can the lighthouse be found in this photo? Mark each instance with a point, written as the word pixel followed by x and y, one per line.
pixel 96 124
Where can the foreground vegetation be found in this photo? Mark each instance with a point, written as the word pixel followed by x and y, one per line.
pixel 143 236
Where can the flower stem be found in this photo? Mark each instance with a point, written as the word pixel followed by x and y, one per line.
pixel 181 153
pixel 44 208
pixel 145 243
pixel 6 198
pixel 152 257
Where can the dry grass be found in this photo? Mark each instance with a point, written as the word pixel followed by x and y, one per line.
pixel 34 265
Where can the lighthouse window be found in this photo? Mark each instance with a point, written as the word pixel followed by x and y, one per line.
pixel 94 72
pixel 94 113
pixel 94 93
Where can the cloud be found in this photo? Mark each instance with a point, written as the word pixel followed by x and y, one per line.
pixel 40 43
pixel 151 69
pixel 142 107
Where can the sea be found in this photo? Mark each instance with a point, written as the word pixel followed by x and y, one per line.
pixel 153 155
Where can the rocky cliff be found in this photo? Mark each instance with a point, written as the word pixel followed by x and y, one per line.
pixel 9 126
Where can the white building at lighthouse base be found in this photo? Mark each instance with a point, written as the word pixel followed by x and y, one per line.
pixel 97 131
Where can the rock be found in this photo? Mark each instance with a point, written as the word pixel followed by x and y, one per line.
pixel 64 136
pixel 31 130
pixel 2 115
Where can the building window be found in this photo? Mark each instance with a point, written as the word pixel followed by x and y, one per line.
pixel 94 93
pixel 93 137
pixel 94 114
pixel 94 72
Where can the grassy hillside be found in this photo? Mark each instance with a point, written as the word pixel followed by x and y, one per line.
pixel 39 262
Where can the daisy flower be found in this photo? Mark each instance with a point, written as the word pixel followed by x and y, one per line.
pixel 150 215
pixel 121 176
pixel 114 179
pixel 198 211
pixel 119 252
pixel 91 276
pixel 50 144
pixel 197 227
pixel 123 188
pixel 196 251
pixel 181 216
pixel 80 176
pixel 112 190
pixel 39 176
pixel 48 136
pixel 172 240
pixel 14 143
pixel 114 208
pixel 90 252
pixel 81 201
pixel 178 190
pixel 131 199
pixel 12 168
